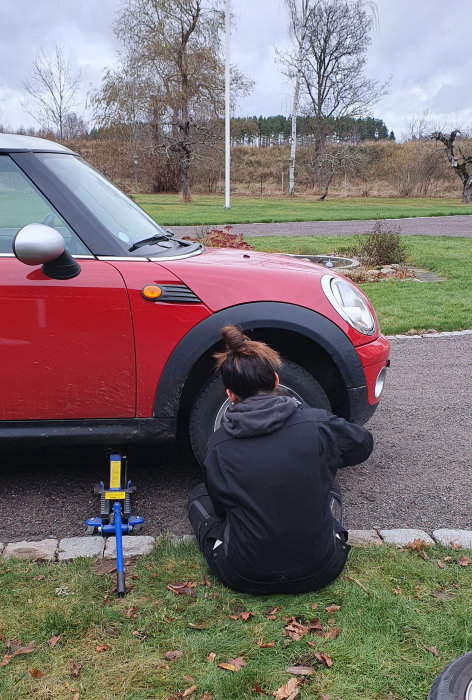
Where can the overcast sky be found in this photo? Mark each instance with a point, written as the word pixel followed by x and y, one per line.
pixel 424 45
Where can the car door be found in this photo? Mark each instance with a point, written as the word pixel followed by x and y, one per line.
pixel 66 346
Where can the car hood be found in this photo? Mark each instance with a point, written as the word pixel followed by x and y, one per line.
pixel 221 278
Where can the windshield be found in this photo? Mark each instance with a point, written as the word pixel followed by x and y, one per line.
pixel 117 212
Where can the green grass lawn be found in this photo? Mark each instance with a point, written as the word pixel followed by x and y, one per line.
pixel 405 305
pixel 168 210
pixel 397 620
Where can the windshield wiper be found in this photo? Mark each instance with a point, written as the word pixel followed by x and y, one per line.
pixel 156 239
pixel 149 241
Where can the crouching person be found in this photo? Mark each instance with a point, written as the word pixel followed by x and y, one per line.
pixel 268 518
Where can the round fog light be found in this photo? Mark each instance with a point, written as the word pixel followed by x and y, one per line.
pixel 379 382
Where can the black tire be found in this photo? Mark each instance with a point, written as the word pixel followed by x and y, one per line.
pixel 210 403
pixel 455 680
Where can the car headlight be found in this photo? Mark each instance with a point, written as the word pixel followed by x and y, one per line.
pixel 350 303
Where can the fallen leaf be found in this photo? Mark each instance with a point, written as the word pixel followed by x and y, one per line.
pixel 132 612
pixel 75 669
pixel 441 564
pixel 463 561
pixel 172 655
pixel 36 673
pixel 333 608
pixel 228 667
pixel 301 670
pixel 417 545
pixel 102 647
pixel 434 651
pixel 242 616
pixel 189 691
pixel 189 679
pixel 76 696
pixel 211 657
pixel 206 696
pixel 239 662
pixel 206 581
pixel 314 606
pixel 182 588
pixel 289 691
pixel 162 667
pixel 295 630
pixel 20 650
pixel 54 640
pixel 316 627
pixel 455 545
pixel 264 645
pixel 324 659
pixel 257 688
pixel 397 591
pixel 69 687
pixel 333 633
pixel 423 555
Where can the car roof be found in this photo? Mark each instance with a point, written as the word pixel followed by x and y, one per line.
pixel 16 142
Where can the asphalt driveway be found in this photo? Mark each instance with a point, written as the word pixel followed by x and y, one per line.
pixel 420 473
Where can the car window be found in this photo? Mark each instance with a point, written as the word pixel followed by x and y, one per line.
pixel 117 212
pixel 21 203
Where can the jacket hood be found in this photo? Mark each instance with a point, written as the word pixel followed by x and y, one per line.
pixel 259 415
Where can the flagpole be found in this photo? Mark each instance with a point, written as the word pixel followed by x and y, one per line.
pixel 227 105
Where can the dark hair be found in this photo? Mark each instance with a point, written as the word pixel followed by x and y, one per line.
pixel 248 366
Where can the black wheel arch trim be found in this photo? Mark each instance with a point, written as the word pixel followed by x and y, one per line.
pixel 265 314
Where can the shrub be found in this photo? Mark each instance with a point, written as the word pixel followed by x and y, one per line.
pixel 223 238
pixel 382 246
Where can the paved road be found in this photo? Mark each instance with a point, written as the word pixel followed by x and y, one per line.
pixel 420 473
pixel 460 225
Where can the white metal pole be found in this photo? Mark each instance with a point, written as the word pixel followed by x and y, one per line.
pixel 227 105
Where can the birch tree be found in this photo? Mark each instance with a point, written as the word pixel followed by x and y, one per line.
pixel 54 88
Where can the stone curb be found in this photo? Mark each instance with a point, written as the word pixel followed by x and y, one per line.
pixel 443 334
pixel 96 547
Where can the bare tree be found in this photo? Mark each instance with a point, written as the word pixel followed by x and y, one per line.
pixel 177 46
pixel 461 163
pixel 53 87
pixel 298 13
pixel 333 67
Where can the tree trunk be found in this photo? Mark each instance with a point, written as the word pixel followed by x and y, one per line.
pixel 326 187
pixel 467 192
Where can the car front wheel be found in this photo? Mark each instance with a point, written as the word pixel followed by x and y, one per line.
pixel 209 408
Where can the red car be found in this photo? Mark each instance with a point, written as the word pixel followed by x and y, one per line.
pixel 109 322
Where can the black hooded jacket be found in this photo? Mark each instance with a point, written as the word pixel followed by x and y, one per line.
pixel 268 472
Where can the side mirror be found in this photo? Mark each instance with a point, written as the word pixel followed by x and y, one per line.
pixel 37 244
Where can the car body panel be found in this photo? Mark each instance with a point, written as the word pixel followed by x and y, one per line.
pixel 66 347
pixel 225 278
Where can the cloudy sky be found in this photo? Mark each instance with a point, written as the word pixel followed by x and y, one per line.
pixel 423 45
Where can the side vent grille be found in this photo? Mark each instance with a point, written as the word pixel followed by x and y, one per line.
pixel 178 293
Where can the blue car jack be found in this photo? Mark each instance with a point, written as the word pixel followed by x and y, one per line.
pixel 115 520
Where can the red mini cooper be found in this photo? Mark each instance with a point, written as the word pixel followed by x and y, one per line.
pixel 109 323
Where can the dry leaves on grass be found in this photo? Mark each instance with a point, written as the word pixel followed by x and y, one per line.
pixel 464 561
pixel 206 581
pixel 172 655
pixel 332 608
pixel 179 588
pixel 35 673
pixel 433 650
pixel 417 545
pixel 18 650
pixel 242 616
pixel 289 691
pixel 233 664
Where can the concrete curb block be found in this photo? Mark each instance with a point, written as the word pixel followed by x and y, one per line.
pixel 443 334
pixel 96 547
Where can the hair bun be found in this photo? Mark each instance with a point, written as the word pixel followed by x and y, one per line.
pixel 234 339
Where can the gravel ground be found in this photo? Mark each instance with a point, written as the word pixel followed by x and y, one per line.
pixel 419 474
pixel 460 225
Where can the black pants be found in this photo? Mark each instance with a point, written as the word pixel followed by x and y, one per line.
pixel 209 529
